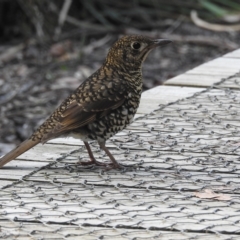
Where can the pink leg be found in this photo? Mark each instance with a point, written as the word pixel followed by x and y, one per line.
pixel 93 161
pixel 114 164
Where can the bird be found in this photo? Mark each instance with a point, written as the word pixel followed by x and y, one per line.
pixel 104 104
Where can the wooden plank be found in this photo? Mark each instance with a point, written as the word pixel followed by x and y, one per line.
pixel 167 94
pixel 147 217
pixel 52 231
pixel 21 231
pixel 45 153
pixel 67 141
pixel 222 62
pixel 16 169
pixel 193 80
pixel 207 74
pixel 234 54
pixel 30 161
pixel 25 165
pixel 212 71
pixel 5 182
pixel 12 174
pixel 152 98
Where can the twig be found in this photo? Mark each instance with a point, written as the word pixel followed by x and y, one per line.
pixel 214 27
pixel 175 24
pixel 11 52
pixel 34 15
pixel 62 16
pixel 96 44
pixel 83 24
pixel 96 13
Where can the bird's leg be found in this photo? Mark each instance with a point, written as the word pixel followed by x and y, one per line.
pixel 114 164
pixel 92 161
pixel 92 158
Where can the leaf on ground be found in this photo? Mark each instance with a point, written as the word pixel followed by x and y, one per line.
pixel 61 48
pixel 208 193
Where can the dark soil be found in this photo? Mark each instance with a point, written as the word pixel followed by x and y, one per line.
pixel 37 78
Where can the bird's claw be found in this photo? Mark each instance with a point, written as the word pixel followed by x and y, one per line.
pixel 107 166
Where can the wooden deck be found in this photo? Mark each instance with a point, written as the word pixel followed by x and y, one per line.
pixel 182 179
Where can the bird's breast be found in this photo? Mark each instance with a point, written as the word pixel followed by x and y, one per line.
pixel 116 120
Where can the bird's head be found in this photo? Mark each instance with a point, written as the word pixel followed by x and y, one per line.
pixel 129 52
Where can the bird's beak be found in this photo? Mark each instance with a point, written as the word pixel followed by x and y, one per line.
pixel 160 42
pixel 155 43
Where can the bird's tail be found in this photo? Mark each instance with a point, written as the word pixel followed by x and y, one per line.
pixel 23 147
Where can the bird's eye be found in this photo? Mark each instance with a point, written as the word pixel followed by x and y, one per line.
pixel 136 45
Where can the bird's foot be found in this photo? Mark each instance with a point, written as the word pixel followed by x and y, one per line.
pixel 92 162
pixel 113 166
pixel 123 167
pixel 107 166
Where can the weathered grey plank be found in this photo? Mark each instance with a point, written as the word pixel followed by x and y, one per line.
pixel 12 174
pixel 16 169
pixel 21 231
pixel 33 159
pixel 193 80
pixel 234 54
pixel 152 98
pixel 45 152
pixel 24 164
pixel 208 73
pixel 223 62
pixel 5 182
pixel 66 141
pixel 199 81
pixel 212 71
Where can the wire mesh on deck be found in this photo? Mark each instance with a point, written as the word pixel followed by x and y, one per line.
pixel 181 149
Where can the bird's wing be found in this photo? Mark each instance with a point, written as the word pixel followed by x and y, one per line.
pixel 85 107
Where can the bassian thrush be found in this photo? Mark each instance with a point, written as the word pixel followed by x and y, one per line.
pixel 104 104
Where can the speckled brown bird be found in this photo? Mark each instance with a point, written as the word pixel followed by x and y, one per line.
pixel 104 104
